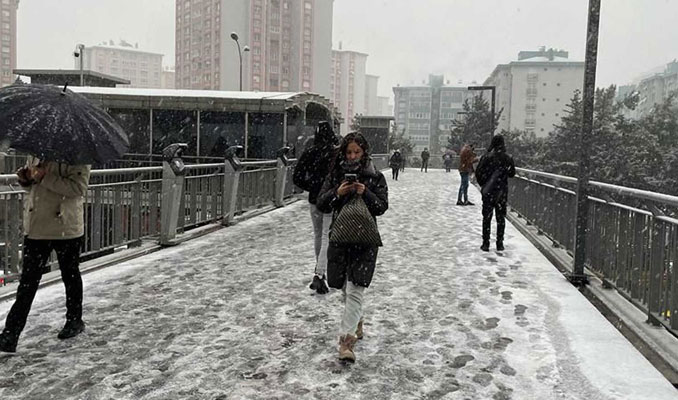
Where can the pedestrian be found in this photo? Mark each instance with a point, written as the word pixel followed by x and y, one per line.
pixel 447 160
pixel 494 169
pixel 356 192
pixel 425 155
pixel 467 157
pixel 53 220
pixel 309 174
pixel 395 162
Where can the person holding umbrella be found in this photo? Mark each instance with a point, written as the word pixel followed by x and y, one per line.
pixel 53 220
pixel 65 134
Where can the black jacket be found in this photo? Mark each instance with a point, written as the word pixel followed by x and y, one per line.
pixel 314 164
pixel 375 195
pixel 492 174
pixel 425 155
pixel 353 262
pixel 396 160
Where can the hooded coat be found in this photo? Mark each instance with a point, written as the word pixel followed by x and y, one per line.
pixel 362 258
pixel 493 171
pixel 396 160
pixel 314 163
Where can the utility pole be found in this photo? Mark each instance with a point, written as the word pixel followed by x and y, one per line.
pixel 578 277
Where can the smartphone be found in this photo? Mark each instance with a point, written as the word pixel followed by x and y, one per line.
pixel 350 178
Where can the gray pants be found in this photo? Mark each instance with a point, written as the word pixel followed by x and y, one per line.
pixel 353 308
pixel 321 230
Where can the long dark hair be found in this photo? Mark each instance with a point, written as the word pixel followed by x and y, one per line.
pixel 357 138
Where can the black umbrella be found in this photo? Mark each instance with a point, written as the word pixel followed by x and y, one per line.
pixel 55 124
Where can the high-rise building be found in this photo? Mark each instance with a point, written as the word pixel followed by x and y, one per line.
pixel 655 89
pixel 289 43
pixel 371 101
pixel 142 68
pixel 348 84
pixel 535 90
pixel 383 106
pixel 167 78
pixel 7 41
pixel 425 113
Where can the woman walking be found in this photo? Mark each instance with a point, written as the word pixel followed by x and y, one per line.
pixel 356 193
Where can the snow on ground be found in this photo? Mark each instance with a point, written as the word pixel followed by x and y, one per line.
pixel 230 316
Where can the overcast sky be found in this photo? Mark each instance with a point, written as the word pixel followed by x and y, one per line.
pixel 405 39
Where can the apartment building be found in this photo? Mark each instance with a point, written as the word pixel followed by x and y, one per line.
pixel 534 90
pixel 7 41
pixel 285 45
pixel 142 68
pixel 426 112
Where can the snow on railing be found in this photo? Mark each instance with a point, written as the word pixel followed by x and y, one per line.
pixel 632 244
pixel 123 206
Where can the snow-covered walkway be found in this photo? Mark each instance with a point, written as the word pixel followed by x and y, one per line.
pixel 230 316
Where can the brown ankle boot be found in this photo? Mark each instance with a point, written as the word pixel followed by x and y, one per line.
pixel 359 330
pixel 346 343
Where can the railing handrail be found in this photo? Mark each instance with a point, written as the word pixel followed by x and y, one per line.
pixel 620 190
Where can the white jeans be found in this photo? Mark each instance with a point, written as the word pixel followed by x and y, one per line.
pixel 353 307
pixel 321 229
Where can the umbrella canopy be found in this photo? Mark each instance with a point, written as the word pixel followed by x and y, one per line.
pixel 55 124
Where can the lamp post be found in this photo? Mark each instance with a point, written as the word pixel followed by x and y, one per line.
pixel 578 277
pixel 80 53
pixel 493 89
pixel 234 36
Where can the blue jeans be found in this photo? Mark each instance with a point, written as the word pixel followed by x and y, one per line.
pixel 463 189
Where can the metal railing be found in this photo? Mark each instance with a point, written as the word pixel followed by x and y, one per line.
pixel 124 205
pixel 632 239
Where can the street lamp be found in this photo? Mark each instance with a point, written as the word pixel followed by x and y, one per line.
pixel 493 89
pixel 234 36
pixel 80 52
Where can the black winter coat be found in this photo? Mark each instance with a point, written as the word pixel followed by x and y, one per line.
pixel 357 263
pixel 492 174
pixel 312 168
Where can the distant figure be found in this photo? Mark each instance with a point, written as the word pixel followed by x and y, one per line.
pixel 309 174
pixel 219 148
pixel 447 160
pixel 493 171
pixel 467 157
pixel 425 155
pixel 357 193
pixel 395 163
pixel 53 220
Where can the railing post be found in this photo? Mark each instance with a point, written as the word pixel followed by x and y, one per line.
pixel 173 171
pixel 232 168
pixel 281 176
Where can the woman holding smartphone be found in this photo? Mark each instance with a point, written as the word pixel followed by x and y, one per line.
pixel 353 182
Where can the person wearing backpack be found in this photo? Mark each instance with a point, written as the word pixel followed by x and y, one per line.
pixel 309 174
pixel 356 193
pixel 494 169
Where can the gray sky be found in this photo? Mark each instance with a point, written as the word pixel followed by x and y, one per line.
pixel 406 39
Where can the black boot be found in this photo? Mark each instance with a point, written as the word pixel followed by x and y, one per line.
pixel 8 342
pixel 72 329
pixel 500 245
pixel 485 246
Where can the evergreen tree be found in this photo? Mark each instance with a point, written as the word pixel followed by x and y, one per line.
pixel 476 126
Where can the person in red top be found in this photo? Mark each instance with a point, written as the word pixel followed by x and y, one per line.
pixel 467 157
